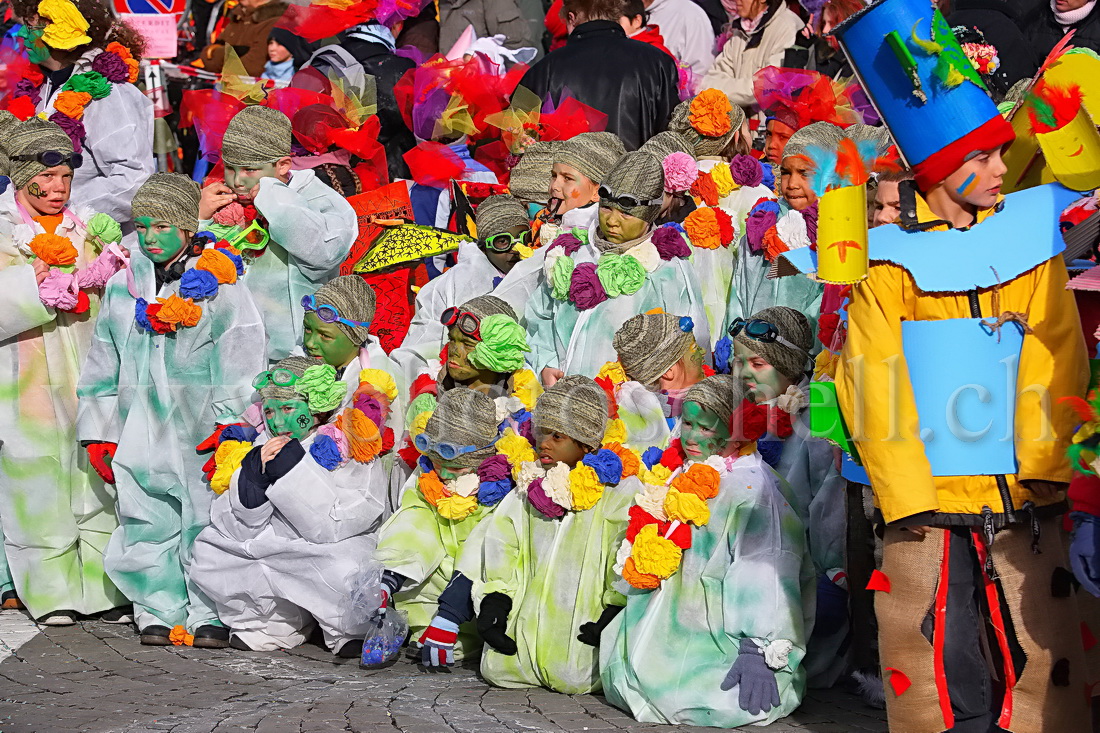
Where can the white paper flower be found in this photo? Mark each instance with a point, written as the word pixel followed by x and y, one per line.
pixel 791 228
pixel 792 401
pixel 775 653
pixel 652 500
pixel 556 486
pixel 647 254
pixel 465 485
pixel 527 472
pixel 621 556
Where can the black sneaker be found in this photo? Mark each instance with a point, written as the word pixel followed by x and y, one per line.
pixel 119 615
pixel 236 643
pixel 156 636
pixel 211 637
pixel 352 650
pixel 58 618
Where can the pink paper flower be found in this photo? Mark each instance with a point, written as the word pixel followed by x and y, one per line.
pixel 59 290
pixel 680 172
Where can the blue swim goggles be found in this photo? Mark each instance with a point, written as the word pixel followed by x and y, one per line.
pixel 328 314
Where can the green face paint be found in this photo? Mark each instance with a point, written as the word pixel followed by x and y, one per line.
pixel 618 226
pixel 702 433
pixel 448 471
pixel 326 341
pixel 242 180
pixel 37 51
pixel 459 348
pixel 762 381
pixel 291 418
pixel 160 241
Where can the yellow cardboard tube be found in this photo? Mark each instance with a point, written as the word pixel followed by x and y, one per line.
pixel 842 235
pixel 1073 153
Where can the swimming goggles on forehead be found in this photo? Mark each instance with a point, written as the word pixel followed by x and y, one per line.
pixel 446 451
pixel 466 322
pixel 505 242
pixel 278 377
pixel 625 200
pixel 763 331
pixel 253 237
pixel 329 314
pixel 51 158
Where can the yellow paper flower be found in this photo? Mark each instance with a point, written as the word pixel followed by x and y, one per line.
pixel 653 554
pixel 419 423
pixel 227 458
pixel 614 371
pixel 658 475
pixel 523 251
pixel 584 487
pixel 515 447
pixel 723 180
pixel 825 364
pixel 616 432
pixel 380 380
pixel 526 388
pixel 684 507
pixel 66 29
pixel 456 508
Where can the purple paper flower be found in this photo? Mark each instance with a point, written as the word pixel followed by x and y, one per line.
pixel 113 68
pixel 526 429
pixel 670 243
pixel 746 171
pixel 511 161
pixel 569 242
pixel 73 128
pixel 369 407
pixel 542 502
pixel 810 215
pixel 494 468
pixel 762 218
pixel 197 283
pixel 585 290
pixel 26 88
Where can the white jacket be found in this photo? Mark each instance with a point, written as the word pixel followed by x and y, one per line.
pixel 687 33
pixel 744 55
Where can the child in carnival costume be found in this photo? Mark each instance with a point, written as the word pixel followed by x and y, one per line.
pixel 579 167
pixel 161 368
pixel 54 261
pixel 771 352
pixel 720 588
pixel 542 564
pixel 593 282
pixel 297 513
pixel 444 500
pixel 973 558
pixel 293 229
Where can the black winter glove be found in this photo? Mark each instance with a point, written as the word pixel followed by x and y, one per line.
pixel 591 631
pixel 492 623
pixel 285 460
pixel 252 483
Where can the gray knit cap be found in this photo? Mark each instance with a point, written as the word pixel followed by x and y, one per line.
pixel 793 327
pixel 255 137
pixel 31 137
pixel 702 144
pixel 8 121
pixel 641 175
pixel 593 154
pixel 860 132
pixel 575 406
pixel 498 214
pixel 823 135
pixel 295 364
pixel 721 394
pixel 354 300
pixel 665 143
pixel 170 197
pixel 484 306
pixel 649 344
pixel 464 417
pixel 530 178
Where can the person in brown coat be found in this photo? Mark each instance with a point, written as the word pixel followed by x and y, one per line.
pixel 247 28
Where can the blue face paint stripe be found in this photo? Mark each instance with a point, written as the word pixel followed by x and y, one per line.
pixel 967 185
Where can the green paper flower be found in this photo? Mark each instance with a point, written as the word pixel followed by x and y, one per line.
pixel 90 82
pixel 319 386
pixel 424 402
pixel 502 346
pixel 104 230
pixel 620 274
pixel 561 276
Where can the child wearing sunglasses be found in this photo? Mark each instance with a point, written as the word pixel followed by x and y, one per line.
pixel 54 262
pixel 297 513
pixel 176 346
pixel 296 230
pixel 771 353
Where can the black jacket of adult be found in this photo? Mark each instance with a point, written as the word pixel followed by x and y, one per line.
pixel 997 21
pixel 1044 33
pixel 632 82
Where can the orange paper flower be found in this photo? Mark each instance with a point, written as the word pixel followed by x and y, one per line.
pixel 180 637
pixel 53 250
pixel 218 265
pixel 773 245
pixel 705 190
pixel 432 488
pixel 701 480
pixel 72 104
pixel 636 579
pixel 631 464
pixel 117 48
pixel 177 311
pixel 702 228
pixel 709 113
pixel 364 437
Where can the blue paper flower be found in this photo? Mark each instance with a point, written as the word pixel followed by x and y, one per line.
pixel 243 433
pixel 723 353
pixel 198 284
pixel 426 465
pixel 770 451
pixel 141 316
pixel 237 260
pixel 607 465
pixel 325 451
pixel 491 492
pixel 652 456
pixel 686 324
pixel 769 176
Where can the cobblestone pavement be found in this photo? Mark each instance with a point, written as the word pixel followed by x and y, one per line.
pixel 96 678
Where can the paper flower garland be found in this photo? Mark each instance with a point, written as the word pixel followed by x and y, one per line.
pixel 215 267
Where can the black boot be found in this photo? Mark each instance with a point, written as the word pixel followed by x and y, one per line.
pixel 156 636
pixel 211 637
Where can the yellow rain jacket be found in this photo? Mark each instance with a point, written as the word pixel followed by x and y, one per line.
pixel 873 373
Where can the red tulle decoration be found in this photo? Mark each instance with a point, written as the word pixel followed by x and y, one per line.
pixel 316 22
pixel 433 164
pixel 209 112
